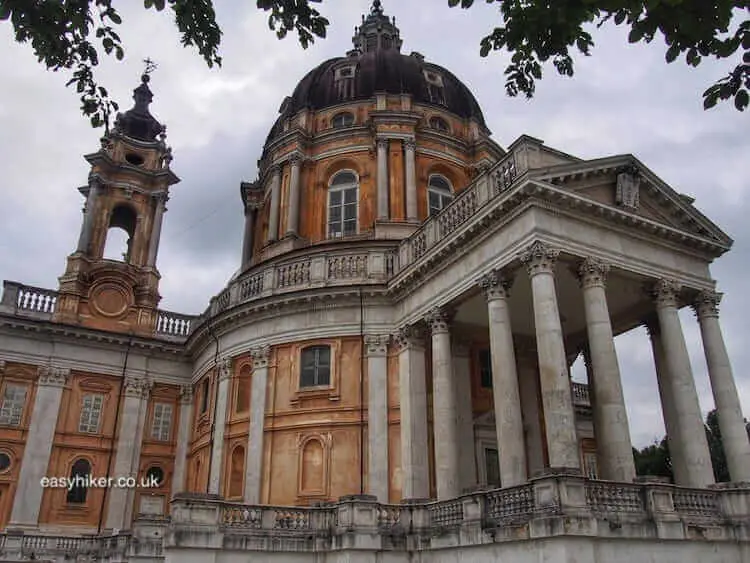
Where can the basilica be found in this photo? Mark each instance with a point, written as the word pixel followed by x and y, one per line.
pixel 386 377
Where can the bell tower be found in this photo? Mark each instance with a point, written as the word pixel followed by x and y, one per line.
pixel 127 190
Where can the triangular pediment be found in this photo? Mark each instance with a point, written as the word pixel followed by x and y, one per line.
pixel 624 183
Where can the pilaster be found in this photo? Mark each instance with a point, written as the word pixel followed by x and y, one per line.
pixel 377 416
pixel 184 432
pixel 219 422
pixel 254 460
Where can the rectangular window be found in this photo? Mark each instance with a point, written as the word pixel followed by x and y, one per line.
pixel 14 400
pixel 485 368
pixel 316 366
pixel 342 212
pixel 204 395
pixel 161 426
pixel 91 413
pixel 590 468
pixel 492 464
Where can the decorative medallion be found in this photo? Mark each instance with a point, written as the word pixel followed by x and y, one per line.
pixel 110 299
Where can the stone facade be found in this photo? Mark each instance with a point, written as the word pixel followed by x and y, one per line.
pixel 389 369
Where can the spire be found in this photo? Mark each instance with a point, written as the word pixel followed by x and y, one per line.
pixel 377 31
pixel 137 122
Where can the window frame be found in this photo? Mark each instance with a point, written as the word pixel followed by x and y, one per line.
pixel 444 126
pixel 343 188
pixel 78 495
pixel 343 115
pixel 159 436
pixel 440 193
pixel 85 426
pixel 316 383
pixel 15 411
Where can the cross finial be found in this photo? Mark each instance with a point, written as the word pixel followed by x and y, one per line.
pixel 151 66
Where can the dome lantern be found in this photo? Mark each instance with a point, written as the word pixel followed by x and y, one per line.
pixel 376 32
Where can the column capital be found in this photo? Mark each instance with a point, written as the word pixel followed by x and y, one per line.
pixel 225 368
pixel 409 336
pixel 665 292
pixel 495 285
pixel 539 258
pixel 186 394
pixel 439 319
pixel 136 387
pixel 706 304
pixel 410 144
pixel 592 272
pixel 381 143
pixel 261 355
pixel 376 344
pixel 274 170
pixel 50 376
pixel 295 159
pixel 160 197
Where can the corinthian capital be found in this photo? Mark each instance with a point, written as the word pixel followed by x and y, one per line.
pixel 495 285
pixel 261 355
pixel 382 144
pixel 136 387
pixel 410 144
pixel 377 344
pixel 186 394
pixel 706 304
pixel 665 292
pixel 53 376
pixel 592 272
pixel 408 336
pixel 539 258
pixel 225 369
pixel 438 319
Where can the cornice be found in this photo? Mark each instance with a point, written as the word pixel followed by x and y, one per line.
pixel 100 157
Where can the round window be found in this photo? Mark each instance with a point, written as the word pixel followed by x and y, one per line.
pixel 155 475
pixel 4 462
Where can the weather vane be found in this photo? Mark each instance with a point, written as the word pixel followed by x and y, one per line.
pixel 151 66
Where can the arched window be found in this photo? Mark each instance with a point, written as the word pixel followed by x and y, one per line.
pixel 236 472
pixel 439 124
pixel 439 193
pixel 342 204
pixel 242 401
pixel 316 366
pixel 120 233
pixel 79 477
pixel 343 119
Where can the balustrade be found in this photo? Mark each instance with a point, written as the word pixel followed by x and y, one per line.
pixel 614 497
pixel 511 505
pixel 581 394
pixel 447 513
pixel 295 273
pixel 348 266
pixel 173 324
pixel 702 504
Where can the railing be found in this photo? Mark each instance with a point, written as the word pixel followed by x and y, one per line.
pixel 697 503
pixel 28 300
pixel 37 546
pixel 446 514
pixel 608 498
pixel 506 506
pixel 246 517
pixel 173 324
pixel 581 394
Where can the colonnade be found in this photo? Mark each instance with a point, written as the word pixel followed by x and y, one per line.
pixel 683 420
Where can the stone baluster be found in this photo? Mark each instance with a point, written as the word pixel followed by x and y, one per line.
pixel 184 432
pixel 681 385
pixel 727 401
pixel 89 210
pixel 254 461
pixel 273 217
pixel 557 403
pixel 382 179
pixel 219 422
pixel 153 249
pixel 443 406
pixel 292 221
pixel 614 447
pixel 128 453
pixel 505 392
pixel 415 480
pixel 377 416
pixel 36 453
pixel 410 147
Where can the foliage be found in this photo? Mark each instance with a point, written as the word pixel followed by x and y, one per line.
pixel 71 34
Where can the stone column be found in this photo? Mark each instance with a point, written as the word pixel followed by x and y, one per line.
pixel 507 399
pixel 727 401
pixel 415 479
pixel 377 416
pixel 292 220
pixel 184 431
pixel 614 448
pixel 220 418
pixel 691 432
pixel 153 248
pixel 248 238
pixel 273 217
pixel 89 210
pixel 557 403
pixel 410 146
pixel 671 422
pixel 382 179
pixel 36 453
pixel 254 459
pixel 443 406
pixel 467 462
pixel 127 456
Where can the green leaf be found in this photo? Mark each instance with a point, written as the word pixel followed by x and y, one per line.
pixel 635 35
pixel 672 52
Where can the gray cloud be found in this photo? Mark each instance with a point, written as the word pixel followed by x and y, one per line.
pixel 623 99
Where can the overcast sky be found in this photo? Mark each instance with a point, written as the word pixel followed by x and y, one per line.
pixel 624 99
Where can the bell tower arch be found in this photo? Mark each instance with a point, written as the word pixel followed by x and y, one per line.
pixel 111 281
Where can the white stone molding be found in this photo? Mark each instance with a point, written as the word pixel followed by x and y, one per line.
pixel 439 320
pixel 376 344
pixel 539 257
pixel 261 356
pixel 2 368
pixel 666 293
pixel 136 387
pixel 186 394
pixel 628 188
pixel 409 336
pixel 592 272
pixel 225 369
pixel 495 285
pixel 706 304
pixel 53 376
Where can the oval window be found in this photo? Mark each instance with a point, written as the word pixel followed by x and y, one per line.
pixel 4 462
